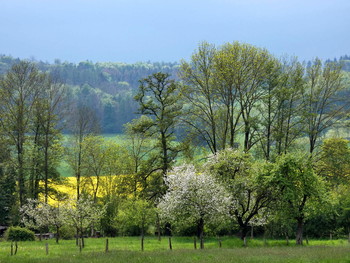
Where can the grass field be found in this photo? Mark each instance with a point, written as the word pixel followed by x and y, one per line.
pixel 127 249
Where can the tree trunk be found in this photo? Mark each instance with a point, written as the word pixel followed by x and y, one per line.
pixel 77 237
pixel 244 231
pixel 158 227
pixel 142 238
pixel 200 232
pixel 92 230
pixel 246 139
pixel 21 183
pixel 299 234
pixel 57 233
pixel 46 170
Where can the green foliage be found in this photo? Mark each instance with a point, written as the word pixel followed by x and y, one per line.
pixel 67 232
pixel 334 164
pixel 19 234
pixel 135 217
pixel 158 97
pixel 245 179
pixel 294 177
pixel 301 190
pixel 7 190
pixel 323 99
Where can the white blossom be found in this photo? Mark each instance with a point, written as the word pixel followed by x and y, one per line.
pixel 192 196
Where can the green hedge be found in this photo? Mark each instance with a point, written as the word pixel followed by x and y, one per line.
pixel 16 233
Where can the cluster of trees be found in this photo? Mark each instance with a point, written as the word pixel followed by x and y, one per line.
pixel 274 112
pixel 235 141
pixel 295 193
pixel 30 135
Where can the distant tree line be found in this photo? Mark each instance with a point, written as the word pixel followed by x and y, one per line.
pixel 108 87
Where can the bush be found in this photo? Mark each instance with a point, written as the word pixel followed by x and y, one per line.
pixel 67 232
pixel 16 233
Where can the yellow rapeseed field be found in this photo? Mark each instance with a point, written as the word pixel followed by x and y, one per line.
pixel 102 186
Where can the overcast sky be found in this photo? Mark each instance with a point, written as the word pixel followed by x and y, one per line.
pixel 168 30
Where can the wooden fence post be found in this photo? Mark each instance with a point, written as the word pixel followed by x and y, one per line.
pixel 47 248
pixel 195 242
pixel 106 250
pixel 170 245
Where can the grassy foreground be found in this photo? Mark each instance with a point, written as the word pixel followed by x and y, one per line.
pixel 127 249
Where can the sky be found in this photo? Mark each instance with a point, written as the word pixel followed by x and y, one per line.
pixel 166 30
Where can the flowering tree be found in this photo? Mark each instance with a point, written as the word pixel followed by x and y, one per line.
pixel 36 214
pixel 194 198
pixel 81 214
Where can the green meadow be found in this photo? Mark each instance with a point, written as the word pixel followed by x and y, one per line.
pixel 128 249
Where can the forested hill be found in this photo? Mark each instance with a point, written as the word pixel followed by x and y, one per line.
pixel 345 60
pixel 108 87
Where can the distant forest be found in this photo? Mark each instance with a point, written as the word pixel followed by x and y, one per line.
pixel 109 87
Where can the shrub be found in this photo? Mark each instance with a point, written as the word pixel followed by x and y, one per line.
pixel 67 232
pixel 16 233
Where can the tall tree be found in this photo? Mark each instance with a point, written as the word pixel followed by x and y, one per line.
pixel 46 129
pixel 289 110
pixel 140 149
pixel 269 106
pixel 19 90
pixel 158 98
pixel 84 123
pixel 225 74
pixel 250 73
pixel 281 106
pixel 200 95
pixel 323 99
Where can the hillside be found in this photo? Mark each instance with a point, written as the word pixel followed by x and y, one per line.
pixel 108 88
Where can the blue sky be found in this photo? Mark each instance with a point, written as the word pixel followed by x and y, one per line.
pixel 167 30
